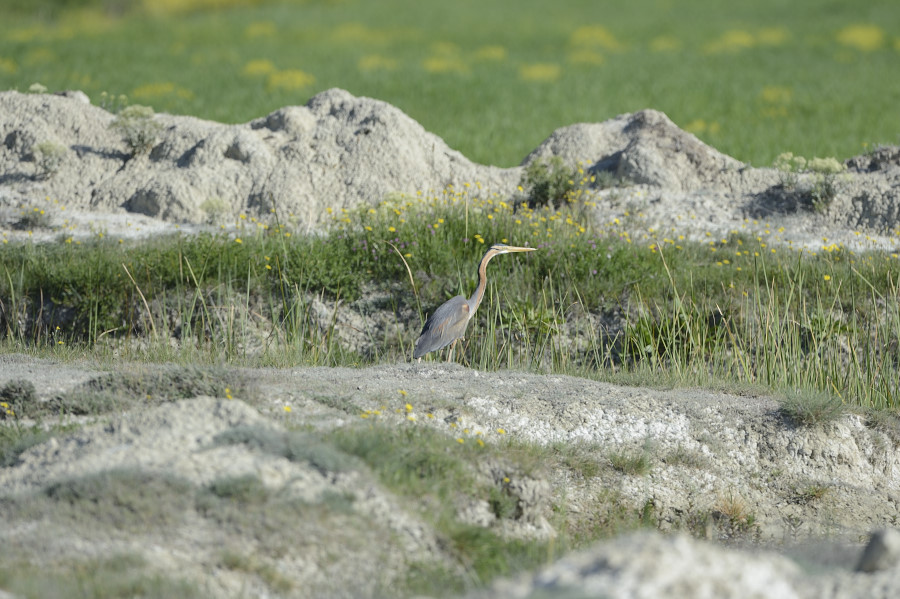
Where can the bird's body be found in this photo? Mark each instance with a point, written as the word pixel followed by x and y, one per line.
pixel 448 323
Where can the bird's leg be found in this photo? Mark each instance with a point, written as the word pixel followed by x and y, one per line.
pixel 450 354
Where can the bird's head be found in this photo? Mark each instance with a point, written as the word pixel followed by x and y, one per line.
pixel 502 248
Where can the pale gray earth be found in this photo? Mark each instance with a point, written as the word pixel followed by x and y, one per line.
pixel 708 451
pixel 341 151
pixel 743 501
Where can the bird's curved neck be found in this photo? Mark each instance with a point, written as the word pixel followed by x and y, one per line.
pixel 476 298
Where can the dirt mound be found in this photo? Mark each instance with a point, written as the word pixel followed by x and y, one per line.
pixel 644 148
pixel 707 450
pixel 336 152
pixel 340 151
pixel 195 483
pixel 651 565
pixel 244 498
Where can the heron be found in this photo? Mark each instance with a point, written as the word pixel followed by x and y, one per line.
pixel 448 323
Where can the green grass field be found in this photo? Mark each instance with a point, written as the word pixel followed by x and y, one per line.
pixel 492 78
pixel 735 311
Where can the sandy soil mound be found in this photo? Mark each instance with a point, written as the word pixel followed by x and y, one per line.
pixel 337 151
pixel 164 483
pixel 340 151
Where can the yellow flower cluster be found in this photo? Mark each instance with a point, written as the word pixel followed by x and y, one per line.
pixel 486 217
pixel 407 410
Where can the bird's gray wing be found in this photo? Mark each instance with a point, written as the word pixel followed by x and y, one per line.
pixel 446 324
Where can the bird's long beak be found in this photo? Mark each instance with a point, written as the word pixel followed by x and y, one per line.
pixel 513 248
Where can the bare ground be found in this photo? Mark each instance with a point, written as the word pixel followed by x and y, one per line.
pixel 719 470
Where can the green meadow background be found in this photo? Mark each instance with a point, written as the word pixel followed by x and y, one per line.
pixel 493 78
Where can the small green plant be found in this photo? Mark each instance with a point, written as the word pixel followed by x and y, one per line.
pixel 636 463
pixel 682 456
pixel 885 421
pixel 18 391
pixel 607 179
pixel 242 489
pixel 16 398
pixel 121 390
pixel 823 189
pixel 216 210
pixel 296 446
pixel 37 88
pixel 128 499
pixel 611 514
pixel 826 166
pixel 788 166
pixel 503 504
pixel 252 564
pixel 122 575
pixel 31 219
pixel 48 158
pixel 809 493
pixel 580 459
pixel 732 515
pixel 82 402
pixel 825 183
pixel 547 182
pixel 648 514
pixel 808 408
pixel 113 103
pixel 138 128
pixel 16 440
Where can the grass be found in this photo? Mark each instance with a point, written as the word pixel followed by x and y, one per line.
pixel 622 304
pixel 123 575
pixel 610 516
pixel 16 439
pixel 235 560
pixel 687 458
pixel 579 458
pixel 425 466
pixel 742 309
pixel 492 79
pixel 810 493
pixel 636 463
pixel 808 408
pixel 423 461
pixel 122 390
pixel 615 302
pixel 733 515
pixel 29 421
pixel 128 503
pixel 122 500
pixel 295 446
pixel 428 472
pixel 16 398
